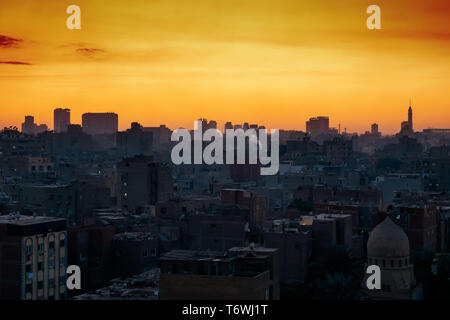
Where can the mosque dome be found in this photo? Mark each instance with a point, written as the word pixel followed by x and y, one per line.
pixel 388 240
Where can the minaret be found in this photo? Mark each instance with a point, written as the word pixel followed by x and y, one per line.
pixel 410 122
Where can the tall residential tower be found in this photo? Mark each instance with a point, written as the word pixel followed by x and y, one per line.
pixel 61 120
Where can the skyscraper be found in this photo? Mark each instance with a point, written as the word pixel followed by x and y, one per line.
pixel 61 120
pixel 407 126
pixel 374 129
pixel 410 121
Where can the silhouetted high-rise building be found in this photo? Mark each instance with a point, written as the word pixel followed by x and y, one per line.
pixel 410 120
pixel 407 126
pixel 61 120
pixel 318 125
pixel 29 127
pixel 100 123
pixel 374 129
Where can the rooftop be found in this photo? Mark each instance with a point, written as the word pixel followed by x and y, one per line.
pixel 26 220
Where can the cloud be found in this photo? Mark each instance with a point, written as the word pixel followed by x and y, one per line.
pixel 8 42
pixel 93 54
pixel 90 51
pixel 17 62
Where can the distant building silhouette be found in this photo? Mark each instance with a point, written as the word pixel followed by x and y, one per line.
pixel 100 123
pixel 374 129
pixel 228 125
pixel 61 120
pixel 407 126
pixel 208 124
pixel 318 125
pixel 134 141
pixel 29 127
pixel 410 121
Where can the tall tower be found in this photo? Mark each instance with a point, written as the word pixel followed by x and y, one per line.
pixel 410 121
pixel 61 120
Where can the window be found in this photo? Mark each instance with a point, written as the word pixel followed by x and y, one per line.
pixel 40 285
pixel 29 246
pixel 145 253
pixel 40 266
pixel 41 248
pixel 62 240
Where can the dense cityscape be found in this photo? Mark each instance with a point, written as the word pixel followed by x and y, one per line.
pixel 141 228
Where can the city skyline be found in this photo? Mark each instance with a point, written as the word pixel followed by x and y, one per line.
pixel 275 63
pixel 322 128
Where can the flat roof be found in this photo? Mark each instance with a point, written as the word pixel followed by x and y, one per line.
pixel 27 220
pixel 194 255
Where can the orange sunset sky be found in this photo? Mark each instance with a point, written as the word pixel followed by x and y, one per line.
pixel 275 63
